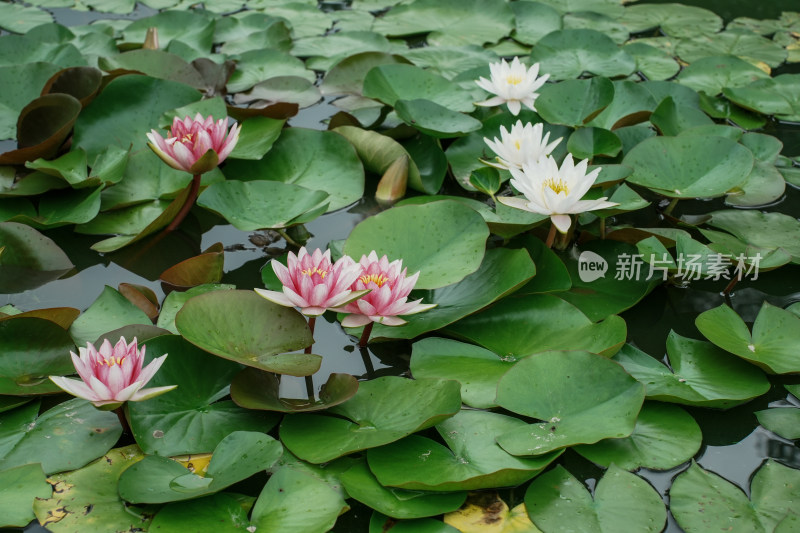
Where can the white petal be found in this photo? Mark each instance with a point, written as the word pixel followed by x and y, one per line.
pixel 76 388
pixel 561 222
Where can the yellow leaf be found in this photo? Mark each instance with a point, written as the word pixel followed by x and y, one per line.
pixel 485 512
pixel 196 463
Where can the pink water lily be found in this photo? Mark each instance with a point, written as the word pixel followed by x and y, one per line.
pixel 389 289
pixel 112 375
pixel 314 284
pixel 195 145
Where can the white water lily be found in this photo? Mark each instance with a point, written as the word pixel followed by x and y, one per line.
pixel 557 192
pixel 512 84
pixel 523 144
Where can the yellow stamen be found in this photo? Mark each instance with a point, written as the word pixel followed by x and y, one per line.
pixel 311 271
pixel 556 186
pixel 512 79
pixel 516 143
pixel 111 361
pixel 377 279
pixel 187 138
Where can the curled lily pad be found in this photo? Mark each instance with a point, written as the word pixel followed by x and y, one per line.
pixel 435 120
pixel 771 346
pixel 198 270
pixel 80 82
pixel 701 374
pixel 155 63
pixel 383 410
pixel 769 231
pixel 246 328
pixel 552 387
pixel 29 258
pixel 777 96
pixel 157 479
pixel 390 83
pixel 567 54
pixel 574 102
pixel 256 389
pixel 20 83
pixel 471 460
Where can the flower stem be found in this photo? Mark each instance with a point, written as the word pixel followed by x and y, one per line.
pixel 365 335
pixel 187 205
pixel 120 412
pixel 603 229
pixel 312 321
pixel 289 240
pixel 551 236
pixel 364 351
pixel 671 206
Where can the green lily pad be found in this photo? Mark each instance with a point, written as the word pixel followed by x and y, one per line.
pixel 252 205
pixel 532 323
pixel 323 52
pixel 451 61
pixel 347 76
pixel 574 102
pixel 379 523
pixel 701 374
pixel 8 403
pixel 477 369
pixel 568 391
pixel 482 20
pixel 632 104
pixel 383 410
pixel 92 492
pixel 65 437
pixel 720 107
pixel 223 323
pixel 501 272
pixel 193 28
pixel 175 300
pixel 689 166
pixel 390 83
pixel 452 247
pixel 701 500
pixel 110 310
pixel 551 273
pixel 189 419
pixel 566 54
pixel 316 160
pixel 655 64
pixel 741 43
pixel 255 66
pixel 157 479
pixel 126 110
pixel 19 19
pixel 783 421
pixel 587 143
pixel 675 20
pixel 777 96
pixel 763 186
pixel 471 459
pixel 19 84
pixel 672 118
pixel 255 389
pixel 361 484
pixel 21 485
pixel 256 138
pixel 665 436
pixel 770 231
pixel 622 502
pixel 435 120
pixel 29 258
pixel 772 345
pixel 154 63
pixel 198 270
pixel 287 89
pixel 294 502
pixel 534 20
pixel 228 513
pixel 712 74
pixel 31 349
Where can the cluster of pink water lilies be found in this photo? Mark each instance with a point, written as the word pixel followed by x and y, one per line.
pixel 371 290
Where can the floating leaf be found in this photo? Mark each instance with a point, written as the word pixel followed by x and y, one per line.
pixel 29 258
pixel 770 231
pixel 361 484
pixel 452 247
pixel 110 310
pixel 534 20
pixel 675 20
pixel 664 437
pixel 484 510
pixel 228 513
pixel 21 485
pixel 65 437
pixel 742 43
pixel 201 269
pixel 701 500
pixel 568 391
pixel 574 102
pixel 777 96
pixel 471 460
pixel 772 344
pixel 701 374
pixel 390 83
pixel 255 389
pixel 622 502
pixel 189 419
pixel 383 410
pixel 712 74
pixel 223 323
pixel 783 421
pixel 92 491
pixel 157 479
pixel 567 54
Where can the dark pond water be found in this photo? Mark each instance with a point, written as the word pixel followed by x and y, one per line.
pixel 734 444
